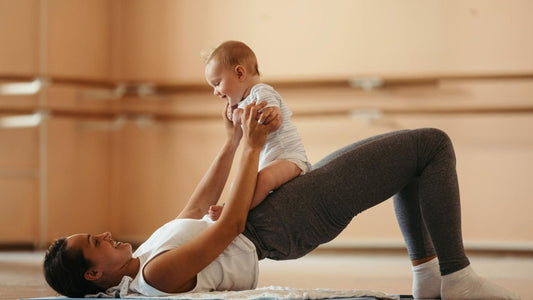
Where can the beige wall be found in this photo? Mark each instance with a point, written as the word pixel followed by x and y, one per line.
pixel 298 40
pixel 101 159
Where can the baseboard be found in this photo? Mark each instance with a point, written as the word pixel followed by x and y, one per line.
pixel 397 246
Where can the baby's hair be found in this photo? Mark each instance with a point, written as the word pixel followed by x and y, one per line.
pixel 232 53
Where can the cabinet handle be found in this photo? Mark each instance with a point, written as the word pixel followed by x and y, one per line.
pixel 102 93
pixel 141 121
pixel 21 88
pixel 367 115
pixel 21 121
pixel 374 117
pixel 140 90
pixel 145 122
pixel 113 125
pixel 366 83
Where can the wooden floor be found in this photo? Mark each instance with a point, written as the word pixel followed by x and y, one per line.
pixel 21 273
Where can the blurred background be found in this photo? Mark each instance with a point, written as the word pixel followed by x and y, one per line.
pixel 107 124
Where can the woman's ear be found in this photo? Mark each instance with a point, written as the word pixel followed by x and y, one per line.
pixel 92 275
pixel 240 71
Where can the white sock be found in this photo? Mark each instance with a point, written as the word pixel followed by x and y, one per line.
pixel 466 284
pixel 426 280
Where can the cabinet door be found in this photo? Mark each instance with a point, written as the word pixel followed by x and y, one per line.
pixel 156 166
pixel 78 39
pixel 494 158
pixel 19 33
pixel 78 181
pixel 19 181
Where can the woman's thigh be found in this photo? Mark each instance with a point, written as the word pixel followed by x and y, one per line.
pixel 314 208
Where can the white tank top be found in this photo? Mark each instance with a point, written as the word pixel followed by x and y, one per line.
pixel 234 269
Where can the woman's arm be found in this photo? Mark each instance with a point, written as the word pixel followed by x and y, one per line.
pixel 175 270
pixel 212 184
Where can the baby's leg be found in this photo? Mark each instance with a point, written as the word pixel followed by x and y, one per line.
pixel 273 176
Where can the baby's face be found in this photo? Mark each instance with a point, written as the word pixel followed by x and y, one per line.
pixel 225 83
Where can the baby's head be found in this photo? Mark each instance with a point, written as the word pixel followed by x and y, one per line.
pixel 231 69
pixel 232 53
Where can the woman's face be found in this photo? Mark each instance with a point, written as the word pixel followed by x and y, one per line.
pixel 105 254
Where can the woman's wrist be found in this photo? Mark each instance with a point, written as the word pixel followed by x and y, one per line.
pixel 251 148
pixel 231 144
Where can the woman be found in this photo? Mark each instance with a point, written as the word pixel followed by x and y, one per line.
pixel 192 253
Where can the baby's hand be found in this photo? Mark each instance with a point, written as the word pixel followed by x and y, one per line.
pixel 237 116
pixel 215 211
pixel 229 112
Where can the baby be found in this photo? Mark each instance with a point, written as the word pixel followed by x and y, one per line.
pixel 231 69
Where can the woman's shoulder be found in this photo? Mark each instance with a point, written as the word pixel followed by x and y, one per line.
pixel 172 234
pixel 155 278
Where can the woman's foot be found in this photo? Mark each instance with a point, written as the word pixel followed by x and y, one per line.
pixel 426 280
pixel 466 284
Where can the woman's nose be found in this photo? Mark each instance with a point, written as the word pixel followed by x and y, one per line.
pixel 105 235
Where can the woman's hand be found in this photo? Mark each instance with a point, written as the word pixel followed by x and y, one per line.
pixel 271 114
pixel 255 132
pixel 233 132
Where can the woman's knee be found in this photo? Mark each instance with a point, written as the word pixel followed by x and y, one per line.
pixel 435 136
pixel 434 140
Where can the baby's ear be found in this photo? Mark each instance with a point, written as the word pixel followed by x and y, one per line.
pixel 240 71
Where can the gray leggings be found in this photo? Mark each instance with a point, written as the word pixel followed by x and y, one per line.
pixel 417 167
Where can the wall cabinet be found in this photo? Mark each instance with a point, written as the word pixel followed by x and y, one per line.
pixel 55 38
pixel 19 33
pixel 78 180
pixel 99 157
pixel 494 155
pixel 19 182
pixel 156 166
pixel 487 121
pixel 128 165
pixel 77 39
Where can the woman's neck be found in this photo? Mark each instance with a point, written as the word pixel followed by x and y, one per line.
pixel 131 269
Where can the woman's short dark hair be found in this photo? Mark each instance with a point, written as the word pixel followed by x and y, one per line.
pixel 64 271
